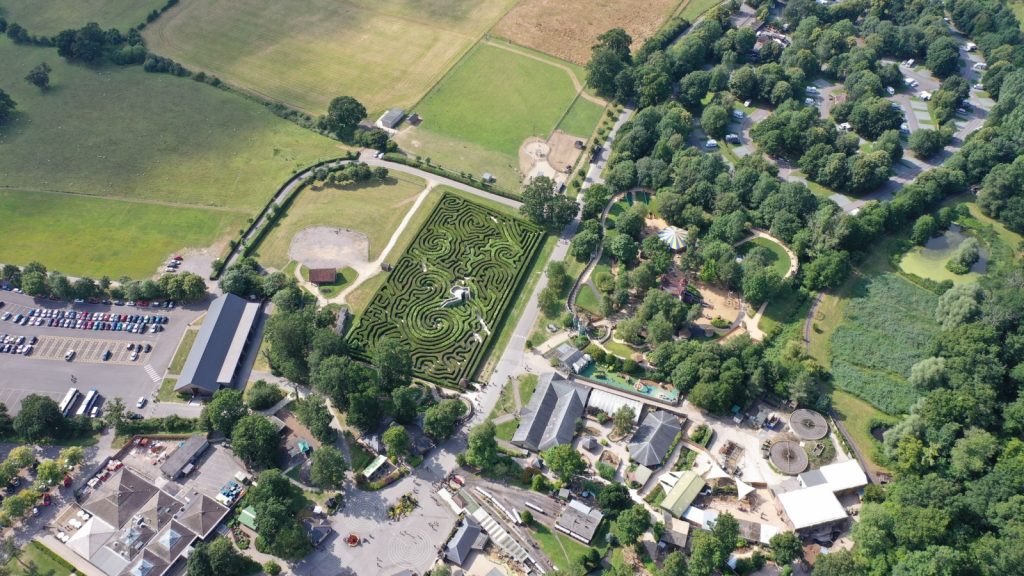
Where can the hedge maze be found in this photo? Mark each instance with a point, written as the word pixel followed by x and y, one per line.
pixel 462 244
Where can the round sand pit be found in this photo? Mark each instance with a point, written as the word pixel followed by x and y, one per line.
pixel 808 424
pixel 323 247
pixel 789 457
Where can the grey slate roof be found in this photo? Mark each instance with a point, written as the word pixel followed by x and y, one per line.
pixel 392 117
pixel 653 438
pixel 201 515
pixel 183 455
pixel 813 478
pixel 461 543
pixel 579 521
pixel 219 345
pixel 550 417
pixel 120 497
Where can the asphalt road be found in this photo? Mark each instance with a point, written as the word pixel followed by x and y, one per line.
pixel 46 371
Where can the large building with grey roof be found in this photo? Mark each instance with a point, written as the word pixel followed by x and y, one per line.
pixel 654 438
pixel 550 417
pixel 226 334
pixel 134 528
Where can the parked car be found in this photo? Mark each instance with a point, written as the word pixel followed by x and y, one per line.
pixel 890 90
pixel 141 402
pixel 738 114
pixel 711 145
pixel 69 355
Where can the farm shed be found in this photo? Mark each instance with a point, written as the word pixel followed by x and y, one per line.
pixel 215 357
pixel 320 276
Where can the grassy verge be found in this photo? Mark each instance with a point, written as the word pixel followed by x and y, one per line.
pixel 178 362
pixel 779 258
pixel 505 430
pixel 581 118
pixel 527 384
pixel 167 393
pixel 858 416
pixel 692 9
pixel 37 560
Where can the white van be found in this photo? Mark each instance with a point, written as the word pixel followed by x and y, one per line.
pixel 980 67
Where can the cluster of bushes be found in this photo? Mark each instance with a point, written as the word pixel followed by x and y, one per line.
pixel 277 503
pixel 172 424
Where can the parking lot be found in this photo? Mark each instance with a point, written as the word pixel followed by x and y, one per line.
pixel 46 372
pixel 91 350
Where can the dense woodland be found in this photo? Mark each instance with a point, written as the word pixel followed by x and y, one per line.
pixel 955 506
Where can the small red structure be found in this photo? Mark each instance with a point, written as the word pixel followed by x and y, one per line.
pixel 352 540
pixel 320 276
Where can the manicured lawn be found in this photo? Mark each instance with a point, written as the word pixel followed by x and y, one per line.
pixel 48 17
pixel 93 236
pixel 779 259
pixel 588 299
pixel 581 119
pixel 375 210
pixel 505 430
pixel 527 384
pixel 38 560
pixel 181 354
pixel 492 100
pixel 306 52
pixel 346 276
pixel 563 551
pixel 624 351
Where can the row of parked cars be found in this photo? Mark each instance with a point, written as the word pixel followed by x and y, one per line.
pixel 17 344
pixel 134 323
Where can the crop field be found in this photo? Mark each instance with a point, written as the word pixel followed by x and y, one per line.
pixel 47 17
pixel 568 29
pixel 180 164
pixel 478 116
pixel 375 210
pixel 461 244
pixel 887 327
pixel 303 53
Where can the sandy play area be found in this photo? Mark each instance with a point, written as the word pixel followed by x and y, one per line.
pixel 324 247
pixel 551 158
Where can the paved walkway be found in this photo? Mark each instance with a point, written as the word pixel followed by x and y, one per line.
pixel 753 325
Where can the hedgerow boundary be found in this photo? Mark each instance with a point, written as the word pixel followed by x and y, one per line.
pixel 461 244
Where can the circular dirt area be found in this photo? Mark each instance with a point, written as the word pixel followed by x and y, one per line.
pixel 808 424
pixel 323 247
pixel 789 457
pixel 533 158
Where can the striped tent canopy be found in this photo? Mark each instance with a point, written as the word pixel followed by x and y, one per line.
pixel 674 237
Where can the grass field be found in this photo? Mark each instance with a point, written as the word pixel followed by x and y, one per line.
pixel 375 210
pixel 38 560
pixel 385 53
pixel 568 29
pixel 478 116
pixel 176 148
pixel 47 17
pixel 779 259
pixel 858 416
pixel 144 136
pixel 887 327
pixel 527 385
pixel 91 236
pixel 506 430
pixel 581 119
